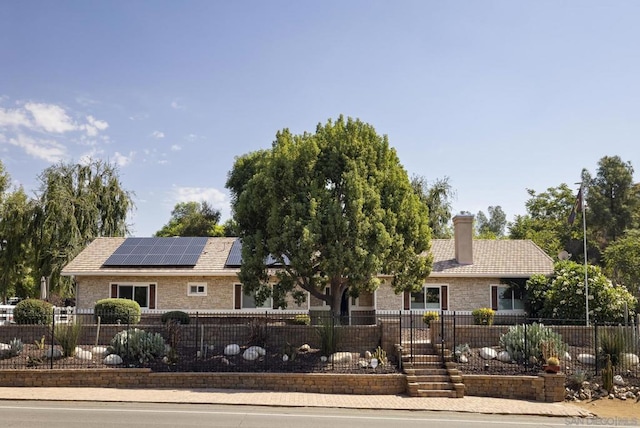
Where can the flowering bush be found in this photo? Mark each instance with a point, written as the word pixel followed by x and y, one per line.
pixel 563 296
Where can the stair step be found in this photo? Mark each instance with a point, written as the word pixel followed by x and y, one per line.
pixel 435 393
pixel 431 386
pixel 428 378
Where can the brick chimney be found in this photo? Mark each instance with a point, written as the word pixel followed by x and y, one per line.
pixel 463 236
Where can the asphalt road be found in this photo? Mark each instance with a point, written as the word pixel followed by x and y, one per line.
pixel 27 414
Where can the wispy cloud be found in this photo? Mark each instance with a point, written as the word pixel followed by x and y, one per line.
pixel 51 118
pixel 13 118
pixel 176 148
pixel 123 160
pixel 49 150
pixel 157 134
pixel 176 105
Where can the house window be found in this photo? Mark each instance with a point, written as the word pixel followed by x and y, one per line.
pixel 248 301
pixel 432 297
pixel 139 293
pixel 197 289
pixel 427 298
pixel 508 299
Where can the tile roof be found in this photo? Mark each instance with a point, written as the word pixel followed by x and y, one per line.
pixel 90 261
pixel 495 258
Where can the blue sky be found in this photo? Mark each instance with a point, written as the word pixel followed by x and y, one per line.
pixel 499 96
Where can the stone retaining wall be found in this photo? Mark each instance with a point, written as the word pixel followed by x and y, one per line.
pixel 544 387
pixel 144 378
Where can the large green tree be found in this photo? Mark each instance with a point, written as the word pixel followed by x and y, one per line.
pixel 612 200
pixel 193 219
pixel 622 261
pixel 491 227
pixel 438 197
pixel 334 209
pixel 75 204
pixel 546 221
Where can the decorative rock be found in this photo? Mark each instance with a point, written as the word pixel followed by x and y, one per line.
pixel 251 354
pixel 367 355
pixel 341 357
pixel 617 380
pixel 363 364
pixel 83 355
pixel 285 358
pixel 224 361
pixel 55 354
pixel 630 394
pixel 629 360
pixel 566 356
pixel 112 360
pixel 4 347
pixel 464 359
pixel 587 359
pixel 488 353
pixel 305 348
pixel 232 349
pixel 100 350
pixel 323 359
pixel 261 351
pixel 504 357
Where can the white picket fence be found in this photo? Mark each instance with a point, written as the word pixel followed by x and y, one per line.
pixel 62 315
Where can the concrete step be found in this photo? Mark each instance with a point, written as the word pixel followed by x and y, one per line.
pixel 430 386
pixel 425 372
pixel 436 393
pixel 428 378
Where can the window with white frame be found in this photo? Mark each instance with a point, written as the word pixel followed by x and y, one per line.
pixel 197 289
pixel 427 298
pixel 249 302
pixel 509 299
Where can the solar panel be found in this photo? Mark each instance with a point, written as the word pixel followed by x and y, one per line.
pixel 140 252
pixel 235 257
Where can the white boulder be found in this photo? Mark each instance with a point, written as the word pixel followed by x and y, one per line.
pixel 251 354
pixel 617 380
pixel 100 350
pixel 233 349
pixel 629 360
pixel 323 359
pixel 341 357
pixel 464 359
pixel 367 355
pixel 587 359
pixel 566 356
pixel 285 358
pixel 363 364
pixel 4 347
pixel 83 355
pixel 305 348
pixel 112 360
pixel 260 350
pixel 488 353
pixel 504 357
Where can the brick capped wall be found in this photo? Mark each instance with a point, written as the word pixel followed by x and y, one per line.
pixel 545 387
pixel 144 378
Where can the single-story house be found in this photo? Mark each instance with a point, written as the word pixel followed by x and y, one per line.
pixel 200 274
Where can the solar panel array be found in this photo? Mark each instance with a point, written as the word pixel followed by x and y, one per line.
pixel 137 252
pixel 235 257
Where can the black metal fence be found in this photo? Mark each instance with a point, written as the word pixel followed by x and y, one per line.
pixel 222 342
pixel 274 341
pixel 516 344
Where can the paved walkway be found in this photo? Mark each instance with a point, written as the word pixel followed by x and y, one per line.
pixel 295 399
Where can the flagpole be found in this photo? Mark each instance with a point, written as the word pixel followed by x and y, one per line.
pixel 584 243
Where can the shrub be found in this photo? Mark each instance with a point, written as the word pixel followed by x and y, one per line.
pixel 329 336
pixel 177 316
pixel 483 316
pixel 137 345
pixel 14 349
pixel 429 316
pixel 67 336
pixel 526 342
pixel 258 332
pixel 32 311
pixel 612 345
pixel 117 311
pixel 301 319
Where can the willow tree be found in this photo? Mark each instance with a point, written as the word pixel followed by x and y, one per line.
pixel 75 204
pixel 331 209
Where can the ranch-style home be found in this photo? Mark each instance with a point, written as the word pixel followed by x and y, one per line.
pixel 200 274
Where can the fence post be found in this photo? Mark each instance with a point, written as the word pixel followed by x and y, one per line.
pixel 526 358
pixel 595 344
pixel 442 337
pixel 454 337
pixel 53 327
pixel 197 344
pixel 400 336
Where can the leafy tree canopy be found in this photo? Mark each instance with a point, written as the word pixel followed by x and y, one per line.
pixel 192 219
pixel 335 208
pixel 563 295
pixel 622 261
pixel 438 197
pixel 492 227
